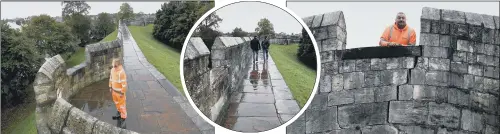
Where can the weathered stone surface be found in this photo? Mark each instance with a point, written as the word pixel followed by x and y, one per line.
pixel 325 84
pixel 79 121
pixel 340 97
pixel 491 85
pixel 105 128
pixel 308 20
pixel 321 120
pixel 337 82
pixel 298 126
pixel 444 40
pixel 353 80
pixel 475 69
pixel 436 78
pixel 474 18
pixel 483 101
pixel 444 114
pixel 431 13
pixel 439 64
pixel 471 121
pixel 459 67
pixel 364 95
pixel 491 130
pixel 459 30
pixel 425 26
pixel 331 18
pixel 453 16
pixel 346 131
pixel 438 52
pixel 488 36
pixel 475 33
pixel 429 39
pixel 405 92
pixel 317 20
pixel 382 52
pixel 355 115
pixel 444 28
pixel 348 66
pixel 59 112
pixel 417 76
pixel 386 93
pixel 491 49
pixel 414 130
pixel 464 45
pixel 195 48
pixel 459 56
pixel 488 60
pixel 380 129
pixel 408 112
pixel 320 101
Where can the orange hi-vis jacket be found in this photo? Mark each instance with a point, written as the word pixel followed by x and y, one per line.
pixel 403 36
pixel 118 83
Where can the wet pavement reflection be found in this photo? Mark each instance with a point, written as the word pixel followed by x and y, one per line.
pixel 254 107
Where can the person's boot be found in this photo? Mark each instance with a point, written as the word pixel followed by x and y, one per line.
pixel 117 116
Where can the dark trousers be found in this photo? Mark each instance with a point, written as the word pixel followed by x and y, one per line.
pixel 266 55
pixel 255 55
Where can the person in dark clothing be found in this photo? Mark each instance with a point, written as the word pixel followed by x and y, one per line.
pixel 265 47
pixel 255 45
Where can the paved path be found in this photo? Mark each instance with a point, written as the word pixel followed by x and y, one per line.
pixel 154 105
pixel 264 102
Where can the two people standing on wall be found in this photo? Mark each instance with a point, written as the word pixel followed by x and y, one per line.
pixel 256 45
pixel 118 89
pixel 398 34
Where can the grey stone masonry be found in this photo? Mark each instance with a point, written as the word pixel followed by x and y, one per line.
pixel 449 83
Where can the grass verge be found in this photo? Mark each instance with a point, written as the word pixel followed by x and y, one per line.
pixel 164 58
pixel 20 119
pixel 79 56
pixel 298 77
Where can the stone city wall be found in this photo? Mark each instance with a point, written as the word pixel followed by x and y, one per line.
pixel 210 88
pixel 447 84
pixel 54 85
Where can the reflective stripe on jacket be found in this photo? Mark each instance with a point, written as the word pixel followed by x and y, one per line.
pixel 403 36
pixel 118 80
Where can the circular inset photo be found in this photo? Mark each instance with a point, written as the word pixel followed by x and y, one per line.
pixel 249 66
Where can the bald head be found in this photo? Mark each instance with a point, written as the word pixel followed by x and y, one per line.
pixel 401 20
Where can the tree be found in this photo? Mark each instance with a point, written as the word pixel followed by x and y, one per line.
pixel 51 38
pixel 126 13
pixel 74 7
pixel 20 62
pixel 306 52
pixel 81 27
pixel 265 28
pixel 175 19
pixel 103 26
pixel 238 32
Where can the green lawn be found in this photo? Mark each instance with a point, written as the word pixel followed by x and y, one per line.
pixel 164 58
pixel 298 77
pixel 79 56
pixel 21 119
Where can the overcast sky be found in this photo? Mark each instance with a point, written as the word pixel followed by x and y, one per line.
pixel 366 20
pixel 246 15
pixel 24 9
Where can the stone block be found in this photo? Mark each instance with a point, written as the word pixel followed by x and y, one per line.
pixel 101 127
pixel 478 83
pixel 488 36
pixel 340 97
pixel 459 56
pixel 414 130
pixel 333 44
pixel 429 93
pixel 497 21
pixel 431 13
pixel 491 130
pixel 429 39
pixel 405 92
pixel 359 115
pixel 297 127
pixel 459 67
pixel 363 65
pixel 491 119
pixel 489 21
pixel 317 21
pixel 386 93
pixel 320 101
pixel 471 58
pixel 439 64
pixel 435 27
pixel 444 40
pixel 348 66
pixel 399 77
pixel 321 120
pixel 353 80
pixel 492 50
pixel 378 64
pixel 408 62
pixel 488 60
pixel 425 26
pixel 337 82
pixel 417 76
pixel 393 63
pixel 436 78
pixel 79 121
pixel 456 80
pixel 60 111
pixel 475 69
pixel 483 101
pixel 491 85
pixel 308 20
pixel 408 112
pixel 380 129
pixel 492 72
pixel 459 30
pixel 325 84
pixel 330 68
pixel 437 52
pixel 458 97
pixel 444 28
pixel 453 16
pixel 331 18
pixel 346 131
pixel 475 33
pixel 474 18
pixel 444 114
pixel 364 95
pixel 464 45
pixel 471 121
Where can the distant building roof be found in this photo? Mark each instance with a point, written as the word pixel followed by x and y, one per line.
pixel 13 25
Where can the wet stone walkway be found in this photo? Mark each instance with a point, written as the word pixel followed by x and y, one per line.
pixel 264 102
pixel 154 105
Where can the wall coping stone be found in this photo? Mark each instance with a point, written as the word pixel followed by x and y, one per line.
pixel 382 52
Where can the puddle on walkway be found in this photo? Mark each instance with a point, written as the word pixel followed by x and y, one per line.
pixel 96 100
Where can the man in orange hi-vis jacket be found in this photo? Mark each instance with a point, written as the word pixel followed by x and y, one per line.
pixel 398 34
pixel 118 89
